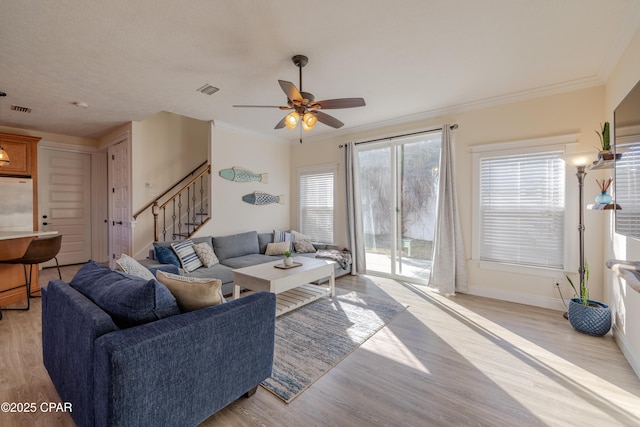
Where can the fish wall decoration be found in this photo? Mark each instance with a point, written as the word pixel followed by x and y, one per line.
pixel 258 198
pixel 237 174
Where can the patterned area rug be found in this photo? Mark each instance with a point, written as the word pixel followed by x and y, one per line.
pixel 316 337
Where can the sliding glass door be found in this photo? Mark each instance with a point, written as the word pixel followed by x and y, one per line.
pixel 398 183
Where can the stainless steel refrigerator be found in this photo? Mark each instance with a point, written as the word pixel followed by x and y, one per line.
pixel 16 204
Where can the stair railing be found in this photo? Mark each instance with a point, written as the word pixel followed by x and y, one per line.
pixel 187 208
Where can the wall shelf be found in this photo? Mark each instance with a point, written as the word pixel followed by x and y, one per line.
pixel 601 164
pixel 604 207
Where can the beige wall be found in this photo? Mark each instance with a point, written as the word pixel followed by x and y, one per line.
pixel 164 148
pixel 625 302
pixel 260 155
pixel 577 112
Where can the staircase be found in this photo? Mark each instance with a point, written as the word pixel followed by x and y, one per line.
pixel 183 208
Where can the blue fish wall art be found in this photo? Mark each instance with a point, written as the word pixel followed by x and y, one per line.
pixel 258 198
pixel 237 174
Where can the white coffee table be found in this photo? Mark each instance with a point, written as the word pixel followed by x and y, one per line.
pixel 290 285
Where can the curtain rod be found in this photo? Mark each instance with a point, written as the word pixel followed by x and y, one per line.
pixel 452 127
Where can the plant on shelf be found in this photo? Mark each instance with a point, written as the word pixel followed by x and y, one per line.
pixel 605 142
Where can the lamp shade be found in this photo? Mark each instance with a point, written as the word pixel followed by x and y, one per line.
pixel 578 159
pixel 291 121
pixel 4 157
pixel 309 120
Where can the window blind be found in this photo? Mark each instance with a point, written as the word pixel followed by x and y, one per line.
pixel 316 206
pixel 627 195
pixel 522 209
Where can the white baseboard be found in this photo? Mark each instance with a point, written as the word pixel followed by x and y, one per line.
pixel 622 342
pixel 517 297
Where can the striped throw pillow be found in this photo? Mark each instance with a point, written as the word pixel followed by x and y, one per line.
pixel 187 255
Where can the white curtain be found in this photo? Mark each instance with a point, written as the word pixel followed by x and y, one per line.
pixel 448 271
pixel 354 212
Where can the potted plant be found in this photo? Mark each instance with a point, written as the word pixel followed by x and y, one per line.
pixel 287 258
pixel 585 315
pixel 605 142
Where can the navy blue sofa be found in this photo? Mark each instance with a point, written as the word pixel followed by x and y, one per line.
pixel 178 370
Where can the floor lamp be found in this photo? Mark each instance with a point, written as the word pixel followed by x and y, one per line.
pixel 579 161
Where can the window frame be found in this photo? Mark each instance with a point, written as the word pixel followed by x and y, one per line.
pixel 564 143
pixel 325 169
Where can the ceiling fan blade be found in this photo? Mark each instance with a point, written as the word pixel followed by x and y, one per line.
pixel 280 124
pixel 282 107
pixel 290 90
pixel 327 119
pixel 338 103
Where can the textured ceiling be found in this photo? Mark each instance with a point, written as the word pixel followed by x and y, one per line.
pixel 409 59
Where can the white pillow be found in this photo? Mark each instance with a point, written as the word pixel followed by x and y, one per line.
pixel 206 254
pixel 278 248
pixel 304 246
pixel 133 267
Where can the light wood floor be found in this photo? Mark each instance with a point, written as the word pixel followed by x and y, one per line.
pixel 453 361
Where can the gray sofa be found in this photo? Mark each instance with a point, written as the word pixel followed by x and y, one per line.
pixel 233 251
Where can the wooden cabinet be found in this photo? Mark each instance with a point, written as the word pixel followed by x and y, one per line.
pixel 23 162
pixel 23 152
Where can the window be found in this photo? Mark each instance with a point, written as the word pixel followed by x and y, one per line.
pixel 627 195
pixel 316 203
pixel 521 207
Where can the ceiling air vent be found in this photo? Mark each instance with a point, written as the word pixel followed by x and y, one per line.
pixel 20 109
pixel 208 89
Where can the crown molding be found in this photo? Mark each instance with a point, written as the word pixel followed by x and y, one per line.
pixel 510 98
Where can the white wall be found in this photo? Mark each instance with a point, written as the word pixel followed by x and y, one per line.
pixel 230 214
pixel 164 148
pixel 576 112
pixel 625 302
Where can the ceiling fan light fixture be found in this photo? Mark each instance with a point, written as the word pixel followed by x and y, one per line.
pixel 309 120
pixel 291 121
pixel 4 157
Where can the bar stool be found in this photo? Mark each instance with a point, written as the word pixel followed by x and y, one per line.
pixel 39 250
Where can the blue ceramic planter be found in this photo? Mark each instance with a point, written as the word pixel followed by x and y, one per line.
pixel 594 319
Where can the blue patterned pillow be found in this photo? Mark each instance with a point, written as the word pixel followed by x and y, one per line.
pixel 282 236
pixel 187 255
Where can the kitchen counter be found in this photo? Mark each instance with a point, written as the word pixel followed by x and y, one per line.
pixel 7 235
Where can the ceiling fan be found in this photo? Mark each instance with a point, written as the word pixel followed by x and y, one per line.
pixel 306 110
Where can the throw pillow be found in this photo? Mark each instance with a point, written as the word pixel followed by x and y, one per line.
pixel 129 300
pixel 278 248
pixel 192 293
pixel 133 267
pixel 166 255
pixel 187 255
pixel 304 246
pixel 299 236
pixel 282 236
pixel 206 254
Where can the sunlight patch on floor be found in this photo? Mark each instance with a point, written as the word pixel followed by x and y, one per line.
pixel 533 367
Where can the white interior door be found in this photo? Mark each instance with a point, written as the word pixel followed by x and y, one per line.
pixel 120 221
pixel 64 202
